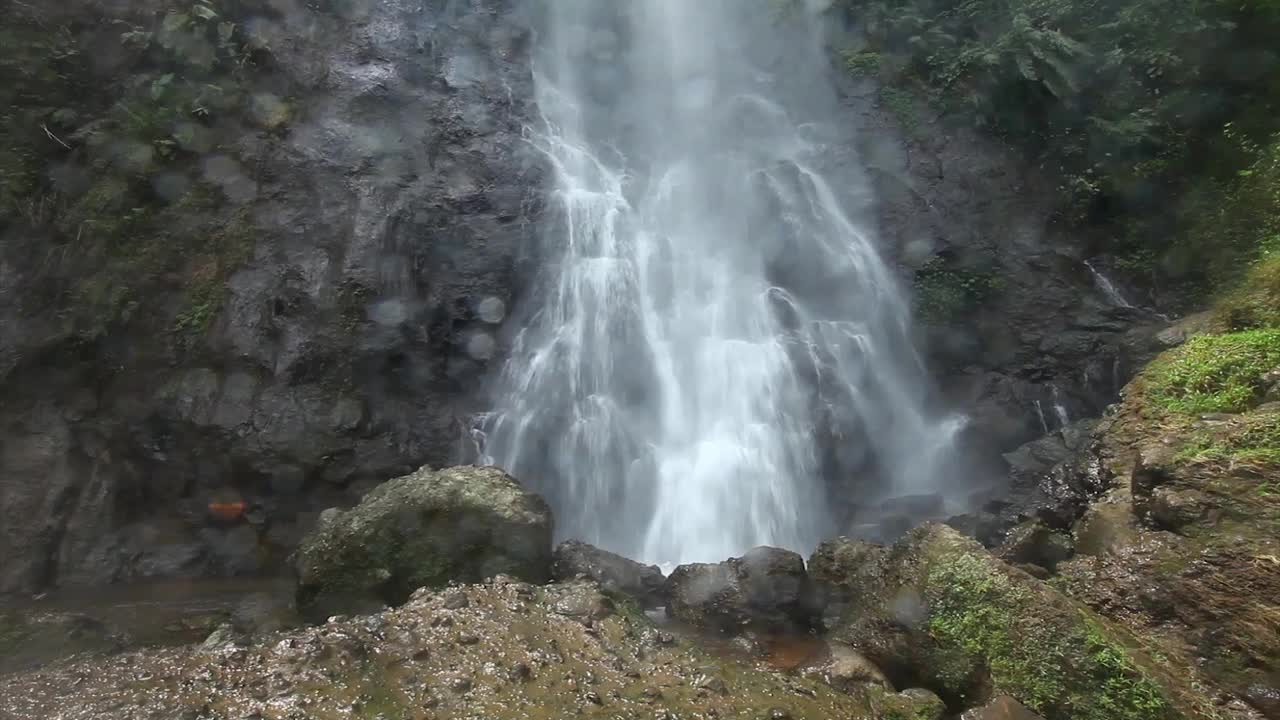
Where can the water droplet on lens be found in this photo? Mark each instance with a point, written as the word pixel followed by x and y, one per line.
pixel 480 346
pixel 492 310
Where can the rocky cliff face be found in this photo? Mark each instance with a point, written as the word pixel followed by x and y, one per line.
pixel 308 296
pixel 382 206
pixel 1017 330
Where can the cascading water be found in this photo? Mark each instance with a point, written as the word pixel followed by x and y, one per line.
pixel 710 318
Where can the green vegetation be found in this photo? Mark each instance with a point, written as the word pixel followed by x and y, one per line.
pixel 110 180
pixel 1056 667
pixel 945 292
pixel 1253 441
pixel 1255 302
pixel 1214 373
pixel 865 62
pixel 1159 117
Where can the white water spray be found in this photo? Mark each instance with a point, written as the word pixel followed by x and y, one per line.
pixel 712 332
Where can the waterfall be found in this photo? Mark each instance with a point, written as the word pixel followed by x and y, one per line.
pixel 1107 287
pixel 1113 293
pixel 1044 423
pixel 711 312
pixel 1059 410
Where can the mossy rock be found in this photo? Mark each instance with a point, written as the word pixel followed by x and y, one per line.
pixel 950 617
pixel 425 529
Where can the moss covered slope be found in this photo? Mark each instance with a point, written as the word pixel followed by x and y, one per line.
pixel 941 612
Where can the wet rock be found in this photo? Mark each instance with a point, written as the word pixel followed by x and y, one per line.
pixel 423 529
pixel 455 600
pixel 840 569
pixel 767 588
pixel 30 637
pixel 1034 543
pixel 615 573
pixel 1266 698
pixel 848 669
pixel 223 637
pixel 1174 509
pixel 580 599
pixel 385 191
pixel 925 505
pixel 925 704
pixel 1001 708
pixel 947 616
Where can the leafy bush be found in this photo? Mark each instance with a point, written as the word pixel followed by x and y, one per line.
pixel 944 292
pixel 1125 101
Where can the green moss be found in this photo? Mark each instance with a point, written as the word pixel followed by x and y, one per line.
pixel 978 612
pixel 1122 690
pixel 887 705
pixel 1214 373
pixel 1056 664
pixel 944 292
pixel 1253 440
pixel 904 105
pixel 864 62
pixel 202 304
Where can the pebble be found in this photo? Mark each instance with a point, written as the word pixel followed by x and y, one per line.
pixel 520 672
pixel 456 600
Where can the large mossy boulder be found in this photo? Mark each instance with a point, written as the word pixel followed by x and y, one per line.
pixel 425 529
pixel 946 615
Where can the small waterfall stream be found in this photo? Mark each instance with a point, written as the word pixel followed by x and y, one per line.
pixel 712 311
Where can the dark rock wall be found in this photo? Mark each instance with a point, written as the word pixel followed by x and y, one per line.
pixel 1040 331
pixel 386 219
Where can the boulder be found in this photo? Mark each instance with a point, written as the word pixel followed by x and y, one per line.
pixel 424 529
pixel 1001 708
pixel 946 615
pixel 765 589
pixel 846 669
pixel 841 568
pixel 615 573
pixel 1032 542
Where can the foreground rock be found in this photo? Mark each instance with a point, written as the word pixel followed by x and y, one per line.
pixel 938 611
pixel 306 318
pixel 1184 548
pixel 498 651
pixel 422 530
pixel 616 574
pixel 836 568
pixel 766 589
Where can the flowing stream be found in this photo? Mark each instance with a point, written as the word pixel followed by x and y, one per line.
pixel 713 336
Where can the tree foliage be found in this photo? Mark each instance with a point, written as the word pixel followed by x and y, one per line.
pixel 1140 106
